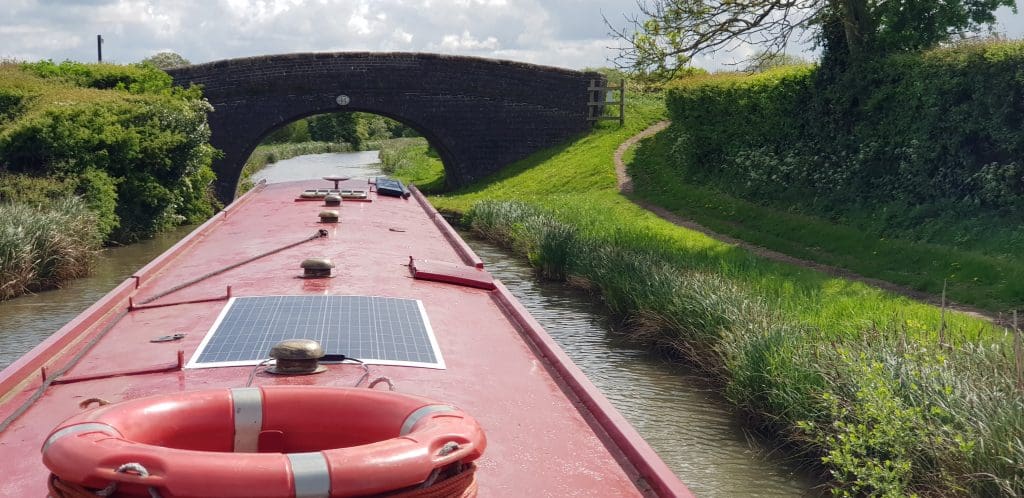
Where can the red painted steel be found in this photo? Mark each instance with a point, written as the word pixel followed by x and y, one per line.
pixel 550 432
pixel 443 271
pixel 467 254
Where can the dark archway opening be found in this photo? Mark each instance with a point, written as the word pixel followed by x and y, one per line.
pixel 403 150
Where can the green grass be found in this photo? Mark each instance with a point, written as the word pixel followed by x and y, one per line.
pixel 413 161
pixel 987 272
pixel 851 377
pixel 24 95
pixel 44 247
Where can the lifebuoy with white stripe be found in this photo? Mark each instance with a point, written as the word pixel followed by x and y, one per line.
pixel 280 441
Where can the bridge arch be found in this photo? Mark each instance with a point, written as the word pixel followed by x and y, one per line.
pixel 479 114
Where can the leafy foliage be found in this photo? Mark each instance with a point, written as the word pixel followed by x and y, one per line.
pixel 294 132
pixel 668 33
pixel 166 60
pixel 128 138
pixel 353 128
pixel 335 127
pixel 940 129
pixel 135 79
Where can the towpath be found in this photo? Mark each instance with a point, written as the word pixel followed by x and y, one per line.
pixel 626 188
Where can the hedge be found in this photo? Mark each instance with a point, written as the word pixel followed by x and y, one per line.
pixel 138 147
pixel 940 128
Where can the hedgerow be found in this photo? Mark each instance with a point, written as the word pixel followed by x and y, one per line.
pixel 940 129
pixel 137 147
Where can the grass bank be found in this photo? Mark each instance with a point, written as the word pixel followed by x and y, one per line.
pixel 973 258
pixel 913 157
pixel 44 247
pixel 413 160
pixel 268 154
pixel 888 395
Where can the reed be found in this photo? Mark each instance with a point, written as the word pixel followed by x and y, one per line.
pixel 411 160
pixel 886 407
pixel 44 247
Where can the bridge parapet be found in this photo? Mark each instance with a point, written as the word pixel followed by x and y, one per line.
pixel 479 114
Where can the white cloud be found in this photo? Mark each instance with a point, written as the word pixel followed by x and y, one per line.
pixel 358 21
pixel 567 33
pixel 402 36
pixel 466 42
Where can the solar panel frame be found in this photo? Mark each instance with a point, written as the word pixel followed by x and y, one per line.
pixel 267 332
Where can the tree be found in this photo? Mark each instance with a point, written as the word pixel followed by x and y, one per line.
pixel 166 60
pixel 668 33
pixel 335 127
pixel 763 62
pixel 294 132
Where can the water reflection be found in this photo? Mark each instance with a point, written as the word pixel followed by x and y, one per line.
pixel 28 320
pixel 686 422
pixel 355 164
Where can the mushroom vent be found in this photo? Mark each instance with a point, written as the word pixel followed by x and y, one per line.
pixel 329 216
pixel 316 267
pixel 297 357
pixel 332 200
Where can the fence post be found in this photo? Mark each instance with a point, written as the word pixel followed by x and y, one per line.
pixel 622 102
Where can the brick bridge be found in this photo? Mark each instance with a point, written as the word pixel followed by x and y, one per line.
pixel 479 114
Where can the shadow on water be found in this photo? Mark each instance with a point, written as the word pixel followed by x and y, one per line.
pixel 688 423
pixel 28 320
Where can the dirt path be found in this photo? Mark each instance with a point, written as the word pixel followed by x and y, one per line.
pixel 626 187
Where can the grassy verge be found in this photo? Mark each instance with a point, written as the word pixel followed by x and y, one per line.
pixel 44 247
pixel 985 272
pixel 851 377
pixel 413 161
pixel 269 154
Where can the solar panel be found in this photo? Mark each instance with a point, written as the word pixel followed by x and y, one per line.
pixel 376 330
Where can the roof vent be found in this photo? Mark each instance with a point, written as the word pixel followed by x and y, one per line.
pixel 329 216
pixel 336 180
pixel 316 267
pixel 297 357
pixel 332 200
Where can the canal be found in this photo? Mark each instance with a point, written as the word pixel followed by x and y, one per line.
pixel 684 420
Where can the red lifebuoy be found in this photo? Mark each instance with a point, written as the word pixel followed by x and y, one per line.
pixel 279 441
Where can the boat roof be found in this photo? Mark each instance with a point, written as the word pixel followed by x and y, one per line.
pixel 550 432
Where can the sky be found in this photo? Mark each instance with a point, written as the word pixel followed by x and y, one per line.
pixel 565 33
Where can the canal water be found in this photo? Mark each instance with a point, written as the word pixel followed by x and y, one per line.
pixel 683 419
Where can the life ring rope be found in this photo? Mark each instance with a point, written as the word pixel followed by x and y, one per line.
pixel 461 485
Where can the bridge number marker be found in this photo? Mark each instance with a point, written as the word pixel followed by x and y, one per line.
pixel 342 100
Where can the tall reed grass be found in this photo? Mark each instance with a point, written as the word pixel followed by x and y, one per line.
pixel 44 247
pixel 884 408
pixel 412 160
